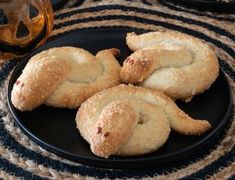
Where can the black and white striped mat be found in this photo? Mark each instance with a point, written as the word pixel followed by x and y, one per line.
pixel 21 158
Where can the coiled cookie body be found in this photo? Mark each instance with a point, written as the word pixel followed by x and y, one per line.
pixel 130 120
pixel 178 64
pixel 64 77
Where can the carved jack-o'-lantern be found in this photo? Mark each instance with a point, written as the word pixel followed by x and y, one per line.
pixel 24 25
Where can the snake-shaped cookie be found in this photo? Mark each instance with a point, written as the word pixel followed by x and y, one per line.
pixel 178 64
pixel 64 77
pixel 131 120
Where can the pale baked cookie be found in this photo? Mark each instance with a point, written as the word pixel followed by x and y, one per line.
pixel 130 120
pixel 178 64
pixel 64 77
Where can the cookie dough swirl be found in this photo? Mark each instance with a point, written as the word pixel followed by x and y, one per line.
pixel 130 120
pixel 178 64
pixel 64 77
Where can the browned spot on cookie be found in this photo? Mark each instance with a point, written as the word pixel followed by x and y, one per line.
pixel 115 52
pixel 17 82
pixel 99 130
pixel 130 61
pixel 144 65
pixel 106 134
pixel 22 84
pixel 141 121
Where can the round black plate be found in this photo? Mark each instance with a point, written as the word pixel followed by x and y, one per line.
pixel 211 5
pixel 55 129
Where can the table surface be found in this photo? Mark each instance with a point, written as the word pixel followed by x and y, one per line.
pixel 20 157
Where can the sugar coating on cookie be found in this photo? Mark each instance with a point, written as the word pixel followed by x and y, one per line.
pixel 129 120
pixel 64 77
pixel 178 64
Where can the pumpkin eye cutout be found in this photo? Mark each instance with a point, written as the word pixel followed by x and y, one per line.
pixel 3 18
pixel 22 30
pixel 33 12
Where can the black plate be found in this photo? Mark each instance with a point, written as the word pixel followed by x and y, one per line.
pixel 57 4
pixel 212 5
pixel 55 129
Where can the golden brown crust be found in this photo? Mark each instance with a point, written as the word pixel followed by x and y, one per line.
pixel 38 81
pixel 136 68
pixel 120 106
pixel 170 62
pixel 113 128
pixel 66 78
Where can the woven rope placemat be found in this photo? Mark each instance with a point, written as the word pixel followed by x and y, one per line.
pixel 22 158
